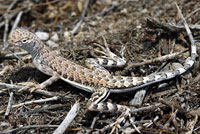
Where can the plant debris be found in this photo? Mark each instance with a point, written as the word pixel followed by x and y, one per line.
pixel 146 31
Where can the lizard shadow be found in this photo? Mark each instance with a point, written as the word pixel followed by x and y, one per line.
pixel 31 74
pixel 27 74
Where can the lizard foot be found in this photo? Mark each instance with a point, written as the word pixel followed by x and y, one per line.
pixel 108 58
pixel 105 50
pixel 115 127
pixel 29 85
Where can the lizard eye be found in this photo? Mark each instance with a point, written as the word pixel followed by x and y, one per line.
pixel 24 41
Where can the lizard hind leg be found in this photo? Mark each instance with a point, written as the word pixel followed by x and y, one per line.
pixel 109 59
pixel 96 103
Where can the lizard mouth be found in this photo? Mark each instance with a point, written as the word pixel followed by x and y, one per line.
pixel 6 46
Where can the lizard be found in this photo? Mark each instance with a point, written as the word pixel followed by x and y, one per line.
pixel 93 78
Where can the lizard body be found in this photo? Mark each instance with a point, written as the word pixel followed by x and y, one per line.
pixel 84 78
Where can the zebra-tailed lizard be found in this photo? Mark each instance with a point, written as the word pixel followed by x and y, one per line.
pixel 93 79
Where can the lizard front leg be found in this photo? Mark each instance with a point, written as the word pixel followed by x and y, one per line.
pixel 43 85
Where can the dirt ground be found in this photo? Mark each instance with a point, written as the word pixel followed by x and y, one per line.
pixel 123 23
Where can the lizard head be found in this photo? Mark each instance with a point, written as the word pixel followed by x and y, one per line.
pixel 23 38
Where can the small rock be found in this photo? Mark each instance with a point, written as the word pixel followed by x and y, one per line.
pixel 93 23
pixel 4 124
pixel 124 11
pixel 52 44
pixel 183 105
pixel 53 14
pixel 55 37
pixel 42 35
pixel 73 14
pixel 144 11
pixel 67 35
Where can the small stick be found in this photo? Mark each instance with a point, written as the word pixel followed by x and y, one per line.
pixel 190 125
pixel 10 17
pixel 172 104
pixel 32 102
pixel 7 20
pixel 6 28
pixel 92 125
pixel 6 69
pixel 82 17
pixel 19 15
pixel 186 26
pixel 139 128
pixel 113 6
pixel 10 102
pixel 54 98
pixel 43 109
pixel 28 127
pixel 173 116
pixel 152 22
pixel 38 91
pixel 3 90
pixel 11 5
pixel 158 59
pixel 68 119
pixel 145 108
pixel 13 55
pixel 195 112
pixel 10 85
pixel 193 12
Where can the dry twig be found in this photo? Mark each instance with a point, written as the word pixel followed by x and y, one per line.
pixel 28 127
pixel 193 12
pixel 13 55
pixel 186 26
pixel 113 6
pixel 5 70
pixel 68 119
pixel 10 102
pixel 158 59
pixel 19 15
pixel 7 20
pixel 170 26
pixel 55 98
pixel 38 91
pixel 191 124
pixel 43 109
pixel 82 17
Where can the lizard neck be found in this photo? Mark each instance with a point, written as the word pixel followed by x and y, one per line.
pixel 34 48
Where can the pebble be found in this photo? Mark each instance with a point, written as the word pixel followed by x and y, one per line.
pixel 93 23
pixel 67 35
pixel 42 35
pixel 138 26
pixel 73 14
pixel 55 37
pixel 52 44
pixel 124 11
pixel 4 124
